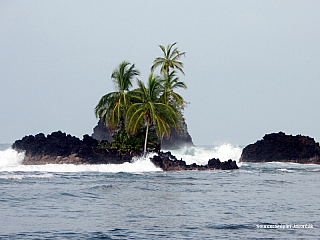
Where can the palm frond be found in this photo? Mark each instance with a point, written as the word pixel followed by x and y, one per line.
pixel 171 55
pixel 112 106
pixel 136 117
pixel 147 109
pixel 179 85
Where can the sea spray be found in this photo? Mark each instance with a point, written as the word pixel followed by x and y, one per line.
pixel 10 161
pixel 10 157
pixel 201 155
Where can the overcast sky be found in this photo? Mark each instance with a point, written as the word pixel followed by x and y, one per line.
pixel 252 67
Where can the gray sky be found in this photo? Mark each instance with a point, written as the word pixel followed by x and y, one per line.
pixel 252 67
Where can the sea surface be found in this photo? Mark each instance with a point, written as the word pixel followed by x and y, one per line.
pixel 139 201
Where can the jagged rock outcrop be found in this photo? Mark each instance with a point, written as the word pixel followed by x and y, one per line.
pixel 279 147
pixel 60 148
pixel 178 139
pixel 57 148
pixel 101 132
pixel 168 162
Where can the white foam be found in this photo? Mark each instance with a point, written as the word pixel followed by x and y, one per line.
pixel 10 160
pixel 23 176
pixel 12 163
pixel 10 157
pixel 285 170
pixel 201 155
pixel 315 170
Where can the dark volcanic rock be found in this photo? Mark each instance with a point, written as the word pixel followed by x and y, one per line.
pixel 215 163
pixel 178 139
pixel 58 147
pixel 101 132
pixel 168 162
pixel 279 147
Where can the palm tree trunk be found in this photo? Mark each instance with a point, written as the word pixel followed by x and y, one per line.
pixel 146 139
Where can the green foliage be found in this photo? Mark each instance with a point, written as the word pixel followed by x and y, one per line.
pixel 147 109
pixel 146 113
pixel 169 60
pixel 103 144
pixel 169 83
pixel 113 106
pixel 125 143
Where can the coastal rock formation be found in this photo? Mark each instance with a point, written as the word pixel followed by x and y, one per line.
pixel 279 147
pixel 168 162
pixel 179 138
pixel 59 148
pixel 101 132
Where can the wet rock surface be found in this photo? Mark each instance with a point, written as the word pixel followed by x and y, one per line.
pixel 168 162
pixel 58 148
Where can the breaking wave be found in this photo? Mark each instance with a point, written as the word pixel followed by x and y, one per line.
pixel 10 161
pixel 201 155
pixel 10 157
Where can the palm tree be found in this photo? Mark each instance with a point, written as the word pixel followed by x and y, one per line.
pixel 170 59
pixel 113 106
pixel 147 110
pixel 168 84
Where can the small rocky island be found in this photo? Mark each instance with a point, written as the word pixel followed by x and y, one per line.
pixel 279 147
pixel 60 148
pixel 130 120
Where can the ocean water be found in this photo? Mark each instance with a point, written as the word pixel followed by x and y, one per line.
pixel 139 201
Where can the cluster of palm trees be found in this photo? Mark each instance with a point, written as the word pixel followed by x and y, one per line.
pixel 154 104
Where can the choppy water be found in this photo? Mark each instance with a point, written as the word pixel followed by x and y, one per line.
pixel 112 202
